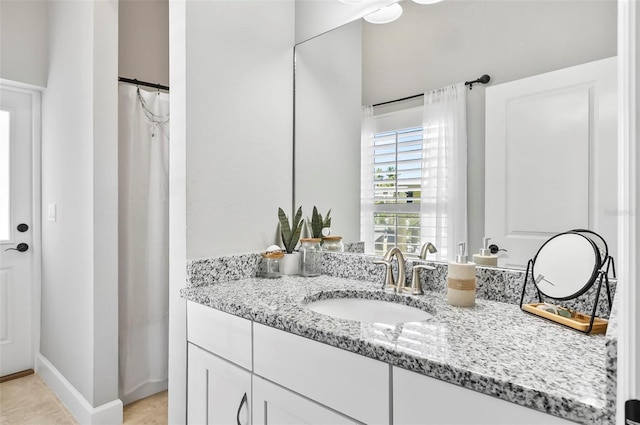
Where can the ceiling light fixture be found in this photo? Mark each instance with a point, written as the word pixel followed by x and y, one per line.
pixel 385 15
pixel 427 1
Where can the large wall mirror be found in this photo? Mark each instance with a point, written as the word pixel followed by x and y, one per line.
pixel 428 47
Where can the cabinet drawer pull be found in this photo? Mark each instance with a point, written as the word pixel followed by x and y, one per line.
pixel 243 401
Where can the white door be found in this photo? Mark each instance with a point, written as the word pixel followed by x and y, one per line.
pixel 550 158
pixel 218 392
pixel 16 229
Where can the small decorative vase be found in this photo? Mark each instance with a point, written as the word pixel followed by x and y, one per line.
pixel 290 264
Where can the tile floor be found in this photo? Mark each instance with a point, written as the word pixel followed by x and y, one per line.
pixel 28 401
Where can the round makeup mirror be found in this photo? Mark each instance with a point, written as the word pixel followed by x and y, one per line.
pixel 606 261
pixel 566 265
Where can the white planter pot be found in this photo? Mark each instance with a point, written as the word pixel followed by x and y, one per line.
pixel 290 264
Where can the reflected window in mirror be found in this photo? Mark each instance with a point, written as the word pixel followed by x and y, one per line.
pixel 396 155
pixel 413 159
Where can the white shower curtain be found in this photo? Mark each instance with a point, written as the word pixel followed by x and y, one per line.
pixel 443 219
pixel 143 242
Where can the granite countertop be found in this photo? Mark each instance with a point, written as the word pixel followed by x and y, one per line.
pixel 493 348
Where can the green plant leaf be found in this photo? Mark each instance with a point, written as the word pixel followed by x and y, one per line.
pixel 327 220
pixel 285 229
pixel 290 234
pixel 295 237
pixel 298 217
pixel 316 223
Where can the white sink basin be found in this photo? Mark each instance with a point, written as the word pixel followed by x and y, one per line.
pixel 369 311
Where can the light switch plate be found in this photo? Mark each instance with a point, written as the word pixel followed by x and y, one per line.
pixel 51 212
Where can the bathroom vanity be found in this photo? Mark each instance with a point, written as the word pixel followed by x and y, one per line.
pixel 257 354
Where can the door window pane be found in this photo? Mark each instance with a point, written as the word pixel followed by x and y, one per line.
pixel 5 174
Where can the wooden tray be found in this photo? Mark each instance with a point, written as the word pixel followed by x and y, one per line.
pixel 579 321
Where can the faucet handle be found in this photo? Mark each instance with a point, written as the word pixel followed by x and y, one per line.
pixel 416 285
pixel 389 281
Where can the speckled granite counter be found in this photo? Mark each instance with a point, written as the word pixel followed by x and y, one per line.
pixel 493 348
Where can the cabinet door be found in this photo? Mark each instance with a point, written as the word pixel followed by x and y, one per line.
pixel 419 399
pixel 218 392
pixel 274 405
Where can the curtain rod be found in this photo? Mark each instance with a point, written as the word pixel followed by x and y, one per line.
pixel 398 100
pixel 143 83
pixel 482 80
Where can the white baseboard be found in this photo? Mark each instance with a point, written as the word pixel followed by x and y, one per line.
pixel 144 391
pixel 106 414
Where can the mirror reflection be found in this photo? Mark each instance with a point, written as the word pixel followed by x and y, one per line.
pixel 430 47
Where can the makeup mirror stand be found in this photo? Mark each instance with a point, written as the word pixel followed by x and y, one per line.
pixel 579 326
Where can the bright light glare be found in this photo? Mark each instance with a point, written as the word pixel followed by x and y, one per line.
pixel 385 15
pixel 5 174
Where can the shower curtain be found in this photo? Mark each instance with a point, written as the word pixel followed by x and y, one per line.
pixel 143 242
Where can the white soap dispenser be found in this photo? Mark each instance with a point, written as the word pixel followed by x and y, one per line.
pixel 485 257
pixel 461 280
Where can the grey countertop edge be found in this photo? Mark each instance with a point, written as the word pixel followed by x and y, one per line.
pixel 556 405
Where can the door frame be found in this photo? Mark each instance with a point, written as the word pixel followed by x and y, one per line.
pixel 36 217
pixel 628 205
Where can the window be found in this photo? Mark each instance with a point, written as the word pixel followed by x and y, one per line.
pixel 392 177
pixel 397 159
pixel 5 156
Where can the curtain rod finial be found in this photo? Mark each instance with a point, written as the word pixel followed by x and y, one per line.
pixel 483 80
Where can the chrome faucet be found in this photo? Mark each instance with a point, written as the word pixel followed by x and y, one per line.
pixel 389 282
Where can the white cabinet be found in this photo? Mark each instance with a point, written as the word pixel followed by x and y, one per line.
pixel 274 405
pixel 419 399
pixel 218 392
pixel 241 372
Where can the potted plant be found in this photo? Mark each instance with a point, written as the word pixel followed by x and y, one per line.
pixel 290 234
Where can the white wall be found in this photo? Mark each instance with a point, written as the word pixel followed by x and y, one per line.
pixel 239 62
pixel 177 214
pixel 23 41
pixel 231 67
pixel 105 202
pixel 143 46
pixel 79 174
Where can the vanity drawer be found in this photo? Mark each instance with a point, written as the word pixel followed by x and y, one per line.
pixel 351 384
pixel 448 403
pixel 223 334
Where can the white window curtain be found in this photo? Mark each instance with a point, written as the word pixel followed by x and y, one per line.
pixel 443 208
pixel 143 242
pixel 366 185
